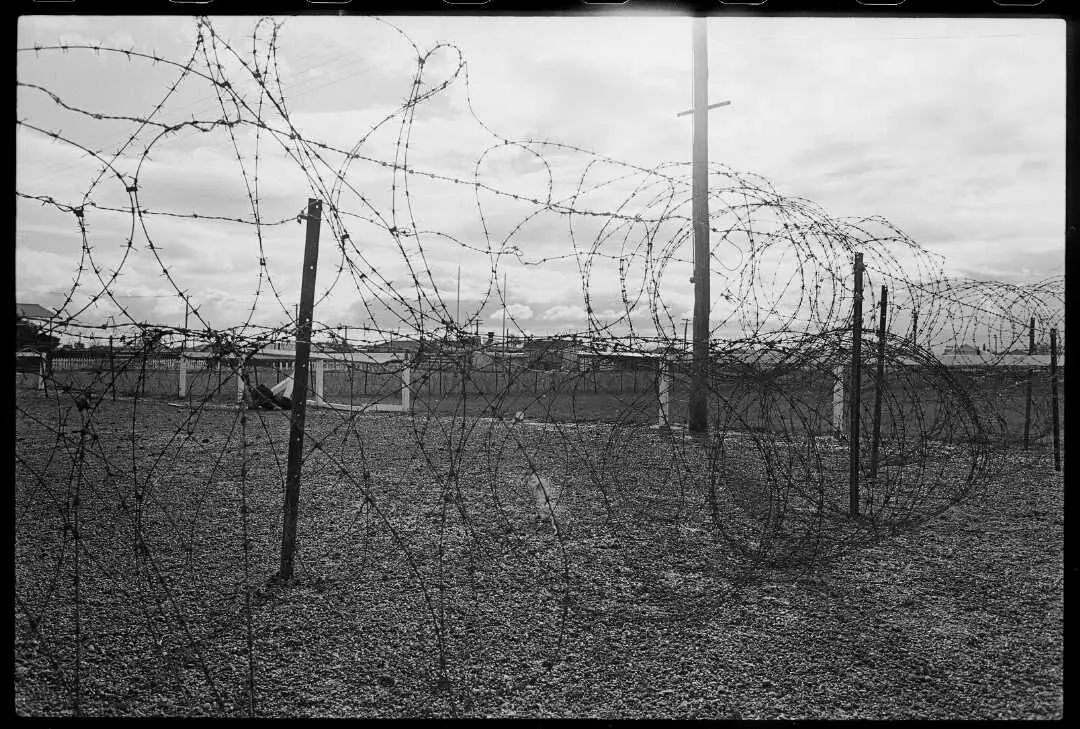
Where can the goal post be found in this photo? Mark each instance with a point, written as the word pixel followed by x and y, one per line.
pixel 246 374
pixel 404 400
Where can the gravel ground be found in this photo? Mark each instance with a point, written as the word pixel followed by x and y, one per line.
pixel 423 587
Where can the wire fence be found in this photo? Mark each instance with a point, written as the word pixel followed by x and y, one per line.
pixel 148 504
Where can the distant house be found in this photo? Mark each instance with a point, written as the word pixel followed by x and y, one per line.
pixel 32 311
pixel 961 349
pixel 550 353
pixel 398 346
pixel 28 333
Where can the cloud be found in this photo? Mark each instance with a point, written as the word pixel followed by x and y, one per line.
pixel 513 311
pixel 952 129
pixel 563 312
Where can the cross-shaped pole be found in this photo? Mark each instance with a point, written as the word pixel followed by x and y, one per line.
pixel 698 415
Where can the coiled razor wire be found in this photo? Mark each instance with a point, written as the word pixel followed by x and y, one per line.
pixel 176 510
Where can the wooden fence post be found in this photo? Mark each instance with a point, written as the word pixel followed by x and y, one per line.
pixel 856 385
pixel 299 394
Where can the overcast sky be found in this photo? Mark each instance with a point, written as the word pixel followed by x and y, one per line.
pixel 953 129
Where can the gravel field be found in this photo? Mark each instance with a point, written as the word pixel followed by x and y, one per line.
pixel 423 587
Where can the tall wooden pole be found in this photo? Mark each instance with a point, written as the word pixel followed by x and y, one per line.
pixel 299 393
pixel 856 384
pixel 698 410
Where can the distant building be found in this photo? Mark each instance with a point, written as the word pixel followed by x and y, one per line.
pixel 397 346
pixel 550 353
pixel 32 311
pixel 961 349
pixel 29 336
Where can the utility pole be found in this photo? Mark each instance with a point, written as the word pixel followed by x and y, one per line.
pixel 299 392
pixel 699 383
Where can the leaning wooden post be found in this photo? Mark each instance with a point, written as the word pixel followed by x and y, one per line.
pixel 183 376
pixel 299 393
pixel 1054 399
pixel 856 384
pixel 879 387
pixel 1030 379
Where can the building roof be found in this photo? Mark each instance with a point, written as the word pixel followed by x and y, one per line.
pixel 32 311
pixel 999 360
pixel 628 355
pixel 286 354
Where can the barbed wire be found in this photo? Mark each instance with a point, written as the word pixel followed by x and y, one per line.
pixel 165 488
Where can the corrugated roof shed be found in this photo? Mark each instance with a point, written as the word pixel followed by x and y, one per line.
pixel 32 311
